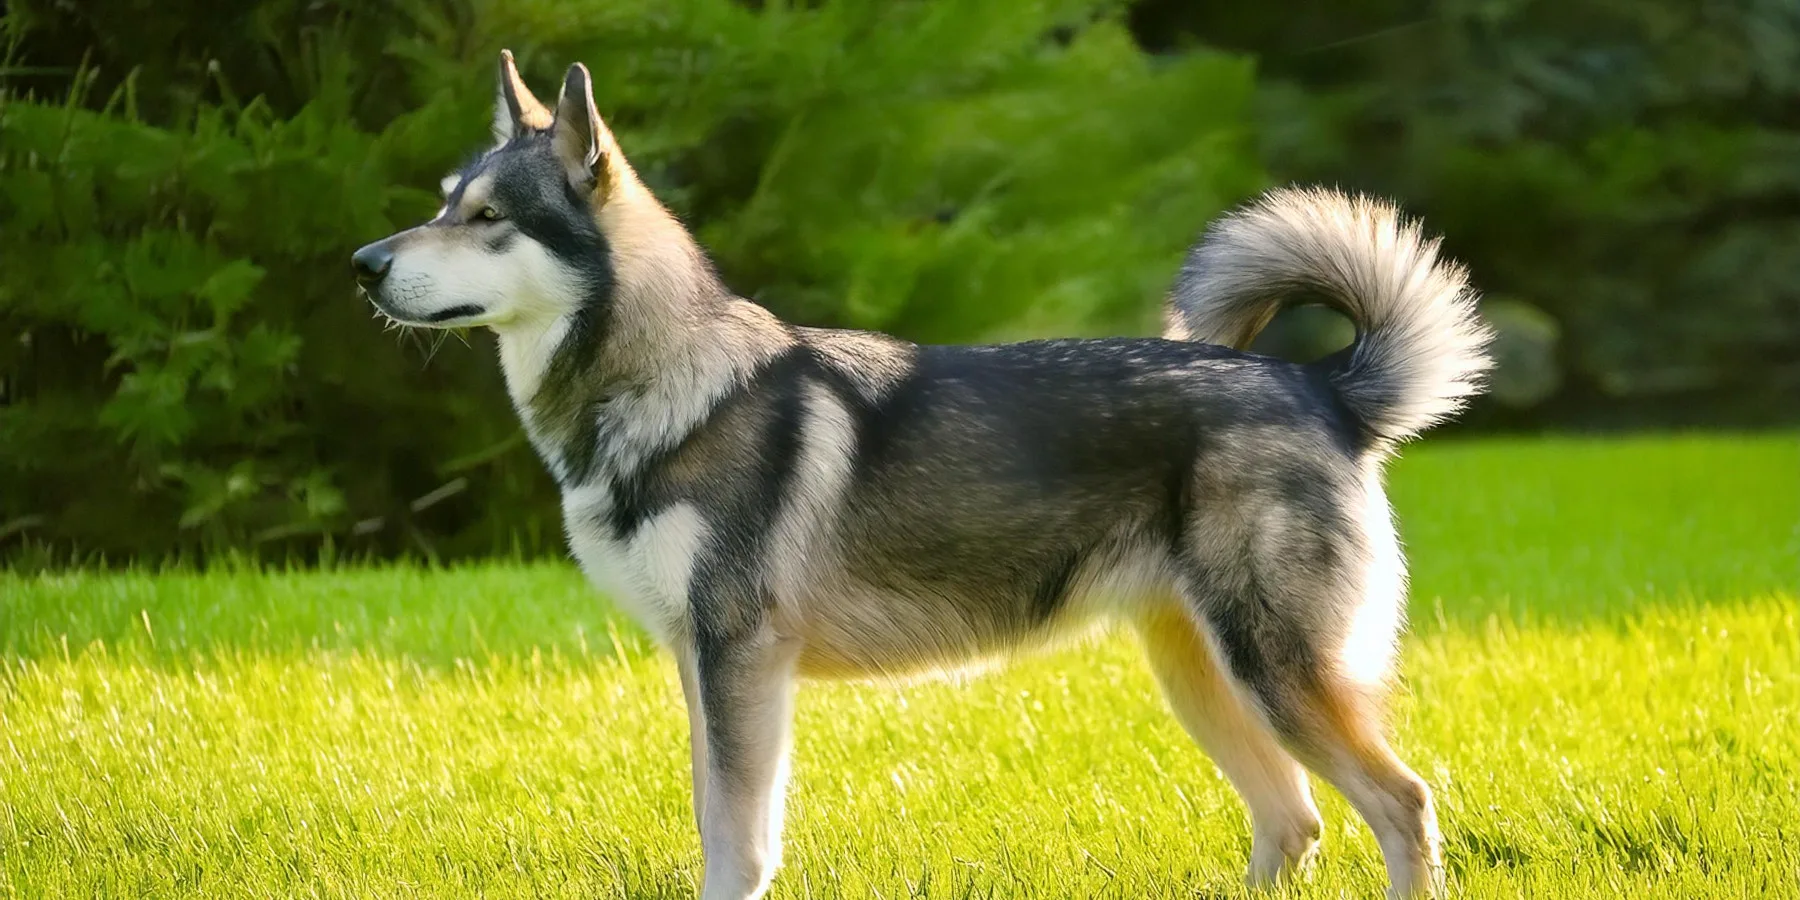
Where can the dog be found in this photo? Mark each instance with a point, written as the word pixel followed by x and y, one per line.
pixel 773 501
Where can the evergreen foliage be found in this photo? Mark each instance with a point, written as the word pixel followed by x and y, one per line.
pixel 193 370
pixel 184 364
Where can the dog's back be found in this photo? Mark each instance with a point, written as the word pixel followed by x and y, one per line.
pixel 993 495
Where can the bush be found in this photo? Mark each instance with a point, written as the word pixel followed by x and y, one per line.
pixel 1631 168
pixel 192 370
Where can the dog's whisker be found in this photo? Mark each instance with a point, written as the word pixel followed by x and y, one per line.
pixel 437 341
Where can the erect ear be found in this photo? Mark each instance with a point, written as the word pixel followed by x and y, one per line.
pixel 517 112
pixel 583 142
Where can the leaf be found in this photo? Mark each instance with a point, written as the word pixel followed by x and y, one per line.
pixel 229 288
pixel 150 407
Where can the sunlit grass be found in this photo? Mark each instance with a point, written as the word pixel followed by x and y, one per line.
pixel 1603 685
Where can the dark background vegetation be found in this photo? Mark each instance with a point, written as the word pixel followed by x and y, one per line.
pixel 184 366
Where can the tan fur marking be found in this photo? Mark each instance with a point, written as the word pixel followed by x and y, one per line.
pixel 874 363
pixel 1339 731
pixel 1285 822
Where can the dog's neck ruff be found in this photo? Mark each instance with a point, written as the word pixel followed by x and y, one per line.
pixel 617 380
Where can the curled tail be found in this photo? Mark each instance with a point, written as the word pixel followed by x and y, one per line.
pixel 1420 351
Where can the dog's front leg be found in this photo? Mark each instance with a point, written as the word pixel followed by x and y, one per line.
pixel 745 683
pixel 696 709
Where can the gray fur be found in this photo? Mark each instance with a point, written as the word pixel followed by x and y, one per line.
pixel 774 501
pixel 1420 350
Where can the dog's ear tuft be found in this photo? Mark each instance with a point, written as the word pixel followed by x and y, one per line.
pixel 583 142
pixel 516 112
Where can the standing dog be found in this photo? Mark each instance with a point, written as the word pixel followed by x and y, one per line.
pixel 774 501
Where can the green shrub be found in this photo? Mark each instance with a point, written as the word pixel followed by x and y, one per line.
pixel 192 370
pixel 1629 167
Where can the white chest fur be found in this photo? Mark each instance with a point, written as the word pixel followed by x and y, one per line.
pixel 647 574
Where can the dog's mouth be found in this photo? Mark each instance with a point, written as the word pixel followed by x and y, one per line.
pixel 444 316
pixel 465 311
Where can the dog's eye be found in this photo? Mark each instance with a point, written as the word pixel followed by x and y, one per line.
pixel 488 214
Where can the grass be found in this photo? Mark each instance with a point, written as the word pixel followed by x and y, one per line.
pixel 1602 683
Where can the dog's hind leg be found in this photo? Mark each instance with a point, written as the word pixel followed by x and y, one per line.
pixel 1333 727
pixel 1304 609
pixel 746 688
pixel 1285 824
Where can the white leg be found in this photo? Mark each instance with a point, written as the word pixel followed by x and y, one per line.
pixel 747 689
pixel 696 709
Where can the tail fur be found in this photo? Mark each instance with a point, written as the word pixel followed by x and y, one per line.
pixel 1420 350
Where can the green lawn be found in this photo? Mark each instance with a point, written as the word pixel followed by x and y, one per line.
pixel 1602 683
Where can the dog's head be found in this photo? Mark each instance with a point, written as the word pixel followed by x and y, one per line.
pixel 517 239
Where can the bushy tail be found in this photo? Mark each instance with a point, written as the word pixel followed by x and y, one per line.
pixel 1420 351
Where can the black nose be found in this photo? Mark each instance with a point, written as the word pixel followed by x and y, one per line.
pixel 372 263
